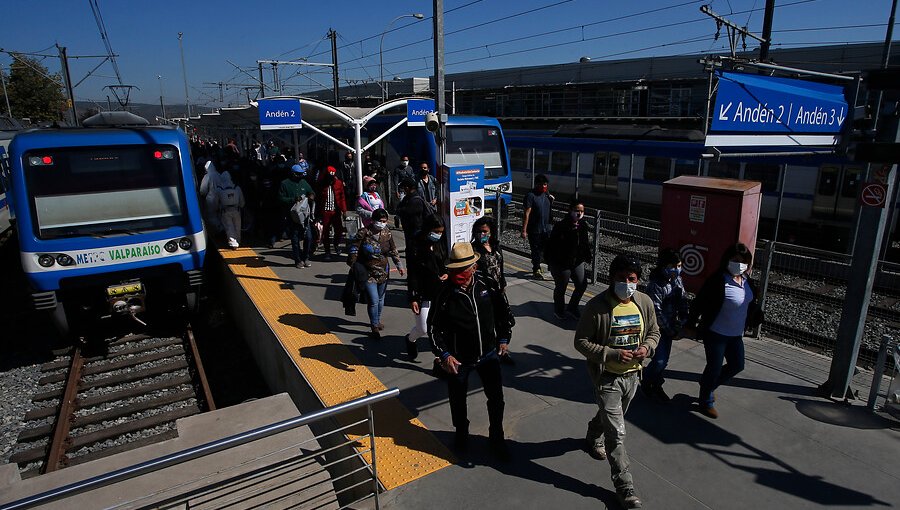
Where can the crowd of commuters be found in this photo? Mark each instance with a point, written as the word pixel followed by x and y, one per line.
pixel 457 294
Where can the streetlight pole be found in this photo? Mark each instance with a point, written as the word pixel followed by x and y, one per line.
pixel 417 15
pixel 187 98
pixel 161 104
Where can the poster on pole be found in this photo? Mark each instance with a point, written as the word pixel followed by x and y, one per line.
pixel 464 187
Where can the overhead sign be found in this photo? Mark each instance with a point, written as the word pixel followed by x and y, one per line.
pixel 873 194
pixel 279 114
pixel 416 109
pixel 754 110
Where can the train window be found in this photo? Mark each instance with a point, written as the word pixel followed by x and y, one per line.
pixel 686 167
pixel 477 145
pixel 520 159
pixel 103 190
pixel 724 169
pixel 827 180
pixel 766 173
pixel 541 161
pixel 657 168
pixel 561 162
pixel 850 186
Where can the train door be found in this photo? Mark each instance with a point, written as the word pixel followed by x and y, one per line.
pixel 606 171
pixel 837 191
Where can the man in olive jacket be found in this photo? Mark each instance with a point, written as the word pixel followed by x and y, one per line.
pixel 616 332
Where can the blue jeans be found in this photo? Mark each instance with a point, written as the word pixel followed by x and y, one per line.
pixel 300 233
pixel 376 293
pixel 653 371
pixel 719 347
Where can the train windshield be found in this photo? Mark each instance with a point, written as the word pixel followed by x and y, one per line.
pixel 477 145
pixel 99 191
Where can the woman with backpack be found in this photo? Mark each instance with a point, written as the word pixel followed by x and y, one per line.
pixel 372 248
pixel 230 200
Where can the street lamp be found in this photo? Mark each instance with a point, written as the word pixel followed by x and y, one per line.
pixel 417 15
pixel 187 98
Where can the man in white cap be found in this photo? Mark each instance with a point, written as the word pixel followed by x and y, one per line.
pixel 470 325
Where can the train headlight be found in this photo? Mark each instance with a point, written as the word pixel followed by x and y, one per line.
pixel 185 243
pixel 171 246
pixel 46 260
pixel 64 260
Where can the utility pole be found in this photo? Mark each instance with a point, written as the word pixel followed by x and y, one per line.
pixel 64 64
pixel 187 97
pixel 733 31
pixel 262 83
pixel 767 31
pixel 5 94
pixel 438 19
pixel 162 105
pixel 334 63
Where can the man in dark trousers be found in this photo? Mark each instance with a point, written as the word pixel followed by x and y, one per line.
pixel 413 210
pixel 398 175
pixel 536 226
pixel 348 176
pixel 470 325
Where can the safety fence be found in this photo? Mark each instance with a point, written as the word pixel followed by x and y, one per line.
pixel 804 288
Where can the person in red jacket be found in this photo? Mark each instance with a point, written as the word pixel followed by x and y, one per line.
pixel 332 208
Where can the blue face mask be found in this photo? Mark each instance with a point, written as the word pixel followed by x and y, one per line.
pixel 485 238
pixel 673 272
pixel 434 236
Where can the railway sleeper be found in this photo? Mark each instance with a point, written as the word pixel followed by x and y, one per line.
pixel 47 411
pixel 80 441
pixel 117 379
pixel 101 367
pixel 35 433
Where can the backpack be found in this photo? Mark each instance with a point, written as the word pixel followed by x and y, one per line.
pixel 228 196
pixel 300 211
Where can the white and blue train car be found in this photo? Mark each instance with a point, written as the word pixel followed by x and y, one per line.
pixel 107 218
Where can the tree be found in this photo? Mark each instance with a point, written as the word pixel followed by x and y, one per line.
pixel 33 92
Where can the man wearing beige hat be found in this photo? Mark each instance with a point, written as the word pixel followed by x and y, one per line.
pixel 470 325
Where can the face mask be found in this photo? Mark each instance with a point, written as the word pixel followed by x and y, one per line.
pixel 485 238
pixel 372 189
pixel 405 163
pixel 544 188
pixel 737 268
pixel 434 236
pixel 577 215
pixel 379 225
pixel 624 290
pixel 673 272
pixel 463 277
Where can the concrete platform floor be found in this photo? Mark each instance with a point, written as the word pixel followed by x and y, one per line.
pixel 775 444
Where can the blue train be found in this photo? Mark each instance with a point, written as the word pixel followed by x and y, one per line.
pixel 107 218
pixel 820 192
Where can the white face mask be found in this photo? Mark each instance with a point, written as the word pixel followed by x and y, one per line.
pixel 624 290
pixel 576 215
pixel 737 268
pixel 405 163
pixel 379 225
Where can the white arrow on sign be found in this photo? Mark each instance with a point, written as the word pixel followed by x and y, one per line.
pixel 723 110
pixel 841 117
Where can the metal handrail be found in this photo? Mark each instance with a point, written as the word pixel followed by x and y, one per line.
pixel 196 452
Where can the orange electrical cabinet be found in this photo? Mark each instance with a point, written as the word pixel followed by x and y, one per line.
pixel 702 216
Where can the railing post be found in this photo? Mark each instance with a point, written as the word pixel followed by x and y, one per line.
pixel 879 372
pixel 594 269
pixel 372 445
pixel 769 253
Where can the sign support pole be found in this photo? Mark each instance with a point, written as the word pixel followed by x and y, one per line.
pixel 859 292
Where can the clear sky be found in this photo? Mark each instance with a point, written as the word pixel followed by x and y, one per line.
pixel 480 34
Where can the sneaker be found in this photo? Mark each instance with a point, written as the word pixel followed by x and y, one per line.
pixel 709 411
pixel 306 263
pixel 661 394
pixel 411 350
pixel 596 450
pixel 298 265
pixel 628 498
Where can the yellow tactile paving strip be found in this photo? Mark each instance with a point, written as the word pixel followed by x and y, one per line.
pixel 406 449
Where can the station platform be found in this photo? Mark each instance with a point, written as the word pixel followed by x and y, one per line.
pixel 775 445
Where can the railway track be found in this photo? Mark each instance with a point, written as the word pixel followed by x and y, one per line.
pixel 107 397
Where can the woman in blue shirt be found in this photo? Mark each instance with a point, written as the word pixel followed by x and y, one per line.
pixel 727 305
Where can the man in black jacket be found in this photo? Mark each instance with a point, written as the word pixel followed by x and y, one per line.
pixel 413 210
pixel 469 325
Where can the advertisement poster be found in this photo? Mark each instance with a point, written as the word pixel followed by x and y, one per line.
pixel 465 189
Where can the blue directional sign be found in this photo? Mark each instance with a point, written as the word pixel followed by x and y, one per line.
pixel 416 109
pixel 279 114
pixel 776 111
